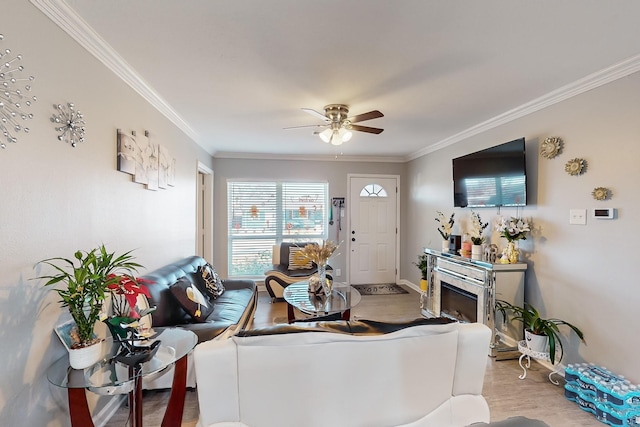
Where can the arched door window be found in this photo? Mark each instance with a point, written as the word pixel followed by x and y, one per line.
pixel 373 190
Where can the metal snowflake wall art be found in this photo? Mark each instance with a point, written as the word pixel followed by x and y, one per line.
pixel 13 101
pixel 71 123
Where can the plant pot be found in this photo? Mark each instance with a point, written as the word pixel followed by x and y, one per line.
pixel 538 343
pixel 476 251
pixel 445 246
pixel 424 285
pixel 83 357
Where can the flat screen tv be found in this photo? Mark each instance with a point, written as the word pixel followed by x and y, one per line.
pixel 495 176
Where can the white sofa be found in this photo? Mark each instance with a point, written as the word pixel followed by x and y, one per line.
pixel 418 376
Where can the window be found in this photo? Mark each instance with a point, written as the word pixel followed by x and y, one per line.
pixel 262 214
pixel 373 190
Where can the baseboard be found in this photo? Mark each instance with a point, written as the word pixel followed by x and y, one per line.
pixel 409 284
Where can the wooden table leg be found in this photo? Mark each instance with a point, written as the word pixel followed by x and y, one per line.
pixel 175 407
pixel 135 397
pixel 290 315
pixel 78 408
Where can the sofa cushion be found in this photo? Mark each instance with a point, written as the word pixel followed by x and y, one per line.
pixel 194 302
pixel 210 280
pixel 297 261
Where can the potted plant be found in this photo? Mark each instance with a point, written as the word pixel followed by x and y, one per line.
pixel 422 265
pixel 85 281
pixel 542 335
pixel 477 228
pixel 445 228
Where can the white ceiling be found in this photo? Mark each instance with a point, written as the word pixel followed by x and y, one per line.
pixel 233 74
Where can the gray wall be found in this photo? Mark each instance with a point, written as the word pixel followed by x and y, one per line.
pixel 56 199
pixel 334 172
pixel 584 274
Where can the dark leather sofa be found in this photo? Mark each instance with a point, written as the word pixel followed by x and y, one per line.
pixel 233 310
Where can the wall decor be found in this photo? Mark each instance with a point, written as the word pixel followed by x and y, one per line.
pixel 576 166
pixel 71 123
pixel 148 162
pixel 126 153
pixel 14 102
pixel 601 193
pixel 551 147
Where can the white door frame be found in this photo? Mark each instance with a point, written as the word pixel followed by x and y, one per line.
pixel 348 212
pixel 204 212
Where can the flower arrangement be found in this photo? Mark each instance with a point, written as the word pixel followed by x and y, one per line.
pixel 123 321
pixel 477 227
pixel 445 227
pixel 319 253
pixel 513 229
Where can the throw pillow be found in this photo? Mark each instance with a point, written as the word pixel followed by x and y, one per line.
pixel 210 281
pixel 191 300
pixel 297 261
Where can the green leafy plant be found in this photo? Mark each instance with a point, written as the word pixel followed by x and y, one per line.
pixel 422 265
pixel 534 323
pixel 86 279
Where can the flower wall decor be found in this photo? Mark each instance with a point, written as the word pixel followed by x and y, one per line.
pixel 601 193
pixel 551 147
pixel 70 123
pixel 446 226
pixel 477 228
pixel 576 166
pixel 13 102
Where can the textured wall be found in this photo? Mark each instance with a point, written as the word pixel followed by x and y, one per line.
pixel 55 199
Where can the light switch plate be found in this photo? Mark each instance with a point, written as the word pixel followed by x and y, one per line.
pixel 578 216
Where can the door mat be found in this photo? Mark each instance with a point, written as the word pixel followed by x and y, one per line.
pixel 384 289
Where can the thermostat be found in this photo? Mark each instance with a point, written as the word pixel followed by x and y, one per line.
pixel 604 213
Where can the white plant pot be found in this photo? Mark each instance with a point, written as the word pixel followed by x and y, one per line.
pixel 445 246
pixel 476 250
pixel 539 343
pixel 81 358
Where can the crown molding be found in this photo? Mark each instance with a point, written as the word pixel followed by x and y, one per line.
pixel 599 78
pixel 309 157
pixel 71 23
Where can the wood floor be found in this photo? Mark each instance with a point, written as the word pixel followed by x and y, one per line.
pixel 508 396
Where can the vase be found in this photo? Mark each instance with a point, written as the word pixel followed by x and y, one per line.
pixel 512 252
pixel 324 282
pixel 84 357
pixel 445 246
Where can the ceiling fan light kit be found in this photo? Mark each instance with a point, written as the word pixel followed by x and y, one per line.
pixel 339 125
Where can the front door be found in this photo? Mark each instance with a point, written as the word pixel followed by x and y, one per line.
pixel 373 229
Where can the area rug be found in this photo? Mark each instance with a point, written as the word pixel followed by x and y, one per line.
pixel 384 289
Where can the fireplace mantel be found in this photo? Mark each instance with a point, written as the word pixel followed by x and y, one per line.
pixel 466 290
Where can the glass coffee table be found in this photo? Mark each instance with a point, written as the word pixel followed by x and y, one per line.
pixel 342 299
pixel 109 377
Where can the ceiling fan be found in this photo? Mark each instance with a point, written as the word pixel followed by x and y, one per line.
pixel 339 125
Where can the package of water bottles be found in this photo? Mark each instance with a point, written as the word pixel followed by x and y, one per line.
pixel 611 398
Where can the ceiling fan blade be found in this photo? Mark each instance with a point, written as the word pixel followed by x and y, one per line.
pixel 366 129
pixel 316 114
pixel 306 126
pixel 366 116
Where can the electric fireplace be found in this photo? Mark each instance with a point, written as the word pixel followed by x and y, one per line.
pixel 466 290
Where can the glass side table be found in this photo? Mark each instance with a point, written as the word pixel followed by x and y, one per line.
pixel 109 377
pixel 342 299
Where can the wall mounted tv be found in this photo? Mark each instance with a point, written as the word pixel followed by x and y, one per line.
pixel 495 176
